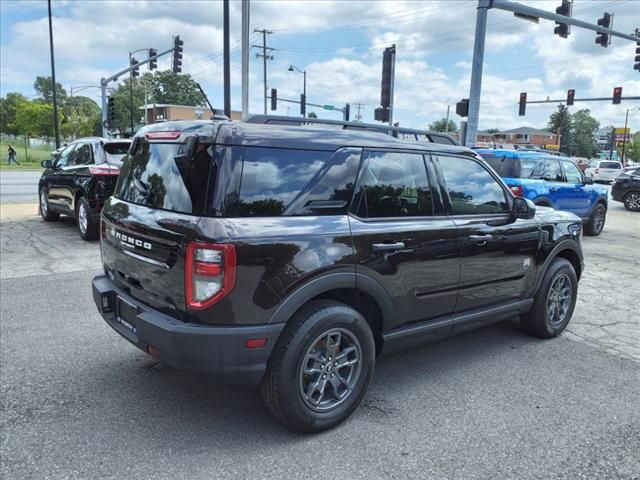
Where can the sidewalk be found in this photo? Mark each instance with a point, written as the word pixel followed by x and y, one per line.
pixel 18 211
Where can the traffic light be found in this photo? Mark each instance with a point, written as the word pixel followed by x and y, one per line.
pixel 387 67
pixel 177 54
pixel 303 105
pixel 462 107
pixel 570 96
pixel 135 73
pixel 522 109
pixel 636 66
pixel 274 99
pixel 347 110
pixel 617 95
pixel 153 64
pixel 563 29
pixel 111 110
pixel 603 38
pixel 381 114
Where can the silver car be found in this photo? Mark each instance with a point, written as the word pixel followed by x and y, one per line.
pixel 604 171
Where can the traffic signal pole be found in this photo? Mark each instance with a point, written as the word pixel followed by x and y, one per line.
pixel 478 50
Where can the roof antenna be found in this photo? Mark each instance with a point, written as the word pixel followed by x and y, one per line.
pixel 216 115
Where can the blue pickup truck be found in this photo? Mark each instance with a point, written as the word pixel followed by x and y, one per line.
pixel 551 181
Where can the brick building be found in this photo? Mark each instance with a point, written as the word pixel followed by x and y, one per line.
pixel 522 136
pixel 164 112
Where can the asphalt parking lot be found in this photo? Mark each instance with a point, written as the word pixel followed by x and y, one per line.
pixel 79 402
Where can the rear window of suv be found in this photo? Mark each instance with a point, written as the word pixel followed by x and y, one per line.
pixel 157 176
pixel 615 165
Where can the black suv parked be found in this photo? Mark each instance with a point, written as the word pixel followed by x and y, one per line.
pixel 293 257
pixel 79 179
pixel 626 188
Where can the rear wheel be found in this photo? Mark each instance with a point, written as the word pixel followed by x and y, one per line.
pixel 554 302
pixel 632 201
pixel 45 210
pixel 596 223
pixel 86 226
pixel 321 367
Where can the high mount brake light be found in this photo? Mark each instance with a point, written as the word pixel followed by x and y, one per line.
pixel 517 190
pixel 104 170
pixel 162 135
pixel 210 273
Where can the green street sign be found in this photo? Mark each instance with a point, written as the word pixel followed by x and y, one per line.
pixel 328 107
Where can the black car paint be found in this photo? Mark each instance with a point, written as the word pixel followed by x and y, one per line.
pixel 625 183
pixel 438 283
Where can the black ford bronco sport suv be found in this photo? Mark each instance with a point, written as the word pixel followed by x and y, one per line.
pixel 293 257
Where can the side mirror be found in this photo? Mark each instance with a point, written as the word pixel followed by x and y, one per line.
pixel 46 164
pixel 588 181
pixel 523 208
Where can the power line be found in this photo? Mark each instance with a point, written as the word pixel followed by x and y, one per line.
pixel 265 56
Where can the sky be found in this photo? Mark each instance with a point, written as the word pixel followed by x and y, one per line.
pixel 340 45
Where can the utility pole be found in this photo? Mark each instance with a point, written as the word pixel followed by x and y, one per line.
pixel 264 57
pixel 245 58
pixel 227 62
pixel 613 142
pixel 446 125
pixel 358 117
pixel 53 82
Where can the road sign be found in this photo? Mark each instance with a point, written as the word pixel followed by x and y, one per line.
pixel 328 107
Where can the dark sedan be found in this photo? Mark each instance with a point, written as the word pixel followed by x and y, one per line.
pixel 80 178
pixel 626 188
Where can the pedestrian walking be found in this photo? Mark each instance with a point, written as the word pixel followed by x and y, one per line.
pixel 11 155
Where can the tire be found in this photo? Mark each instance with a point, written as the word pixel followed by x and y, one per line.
pixel 595 225
pixel 289 393
pixel 87 228
pixel 632 201
pixel 560 279
pixel 44 208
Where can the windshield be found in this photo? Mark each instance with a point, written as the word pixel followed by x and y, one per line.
pixel 158 176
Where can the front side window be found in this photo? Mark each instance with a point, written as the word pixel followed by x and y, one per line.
pixel 571 172
pixel 471 188
pixel 272 178
pixel 63 158
pixel 394 184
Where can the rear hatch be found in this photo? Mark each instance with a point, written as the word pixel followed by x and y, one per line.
pixel 157 204
pixel 609 169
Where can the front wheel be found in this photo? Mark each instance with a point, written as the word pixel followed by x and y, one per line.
pixel 596 222
pixel 86 226
pixel 554 302
pixel 632 201
pixel 321 367
pixel 45 210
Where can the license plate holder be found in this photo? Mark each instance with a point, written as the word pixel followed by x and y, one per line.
pixel 126 315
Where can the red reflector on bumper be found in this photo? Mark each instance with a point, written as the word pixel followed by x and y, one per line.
pixel 255 342
pixel 153 351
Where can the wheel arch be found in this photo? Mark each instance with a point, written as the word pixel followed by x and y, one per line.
pixel 568 250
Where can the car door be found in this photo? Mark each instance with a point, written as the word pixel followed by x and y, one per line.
pixel 554 180
pixel 57 178
pixel 68 174
pixel 497 251
pixel 402 240
pixel 574 197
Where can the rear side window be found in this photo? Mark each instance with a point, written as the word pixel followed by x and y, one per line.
pixel 505 167
pixel 82 155
pixel 158 176
pixel 272 178
pixel 120 148
pixel 394 184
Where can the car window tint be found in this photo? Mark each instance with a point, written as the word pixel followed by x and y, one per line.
pixel 63 158
pixel 531 167
pixel 571 172
pixel 81 155
pixel 615 165
pixel 552 171
pixel 504 166
pixel 117 148
pixel 472 189
pixel 394 184
pixel 273 177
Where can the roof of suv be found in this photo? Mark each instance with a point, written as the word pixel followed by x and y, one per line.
pixel 318 138
pixel 512 153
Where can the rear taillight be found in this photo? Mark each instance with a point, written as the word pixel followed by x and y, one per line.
pixel 517 190
pixel 596 171
pixel 104 170
pixel 210 273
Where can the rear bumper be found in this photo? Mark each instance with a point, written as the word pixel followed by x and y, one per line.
pixel 218 351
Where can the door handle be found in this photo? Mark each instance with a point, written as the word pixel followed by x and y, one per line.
pixel 480 239
pixel 553 189
pixel 387 247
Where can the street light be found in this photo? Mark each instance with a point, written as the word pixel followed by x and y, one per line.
pixel 292 67
pixel 624 132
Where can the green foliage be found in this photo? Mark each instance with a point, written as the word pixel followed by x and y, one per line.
pixel 442 126
pixel 560 124
pixel 312 115
pixel 582 134
pixel 175 89
pixel 493 130
pixel 122 102
pixel 35 118
pixel 632 150
pixel 8 109
pixel 42 86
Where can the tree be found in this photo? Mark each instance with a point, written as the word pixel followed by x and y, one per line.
pixel 42 86
pixel 583 126
pixel 312 115
pixel 8 108
pixel 122 103
pixel 442 126
pixel 493 130
pixel 632 150
pixel 35 118
pixel 175 89
pixel 81 118
pixel 560 124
